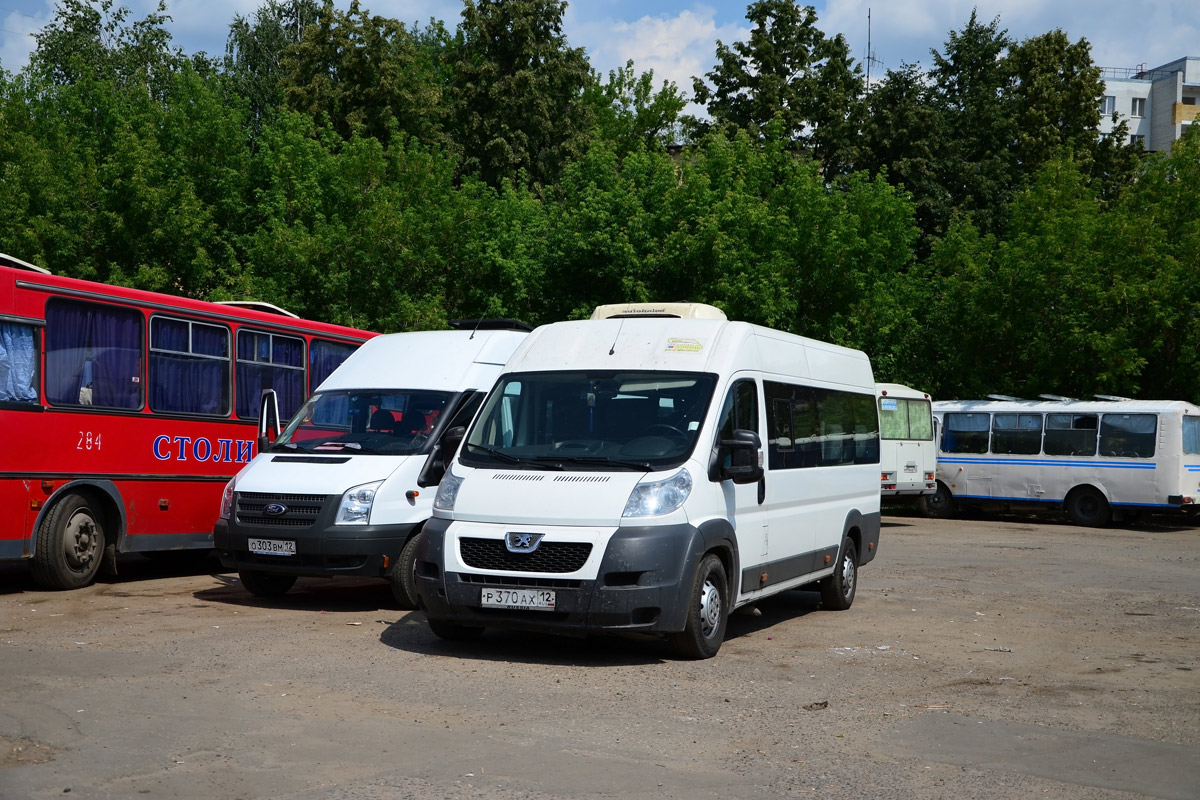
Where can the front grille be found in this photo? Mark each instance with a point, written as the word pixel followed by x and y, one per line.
pixel 302 509
pixel 551 557
pixel 528 583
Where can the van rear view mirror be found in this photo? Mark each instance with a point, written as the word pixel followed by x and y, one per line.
pixel 268 419
pixel 450 442
pixel 744 451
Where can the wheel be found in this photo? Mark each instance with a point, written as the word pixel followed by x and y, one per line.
pixel 939 505
pixel 402 574
pixel 837 591
pixel 708 613
pixel 70 543
pixel 266 584
pixel 453 632
pixel 1087 507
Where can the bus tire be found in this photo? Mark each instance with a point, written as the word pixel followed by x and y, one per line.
pixel 1087 507
pixel 266 584
pixel 453 632
pixel 403 576
pixel 939 505
pixel 70 544
pixel 837 591
pixel 708 612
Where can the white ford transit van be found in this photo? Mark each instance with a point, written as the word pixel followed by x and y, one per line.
pixel 646 472
pixel 347 485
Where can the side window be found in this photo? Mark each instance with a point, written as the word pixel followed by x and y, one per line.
pixel 1070 434
pixel 268 361
pixel 811 427
pixel 1017 434
pixel 965 433
pixel 1191 435
pixel 1128 435
pixel 18 363
pixel 740 410
pixel 188 367
pixel 93 354
pixel 324 357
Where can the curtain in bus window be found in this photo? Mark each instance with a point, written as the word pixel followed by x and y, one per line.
pixel 189 367
pixel 269 361
pixel 1128 435
pixel 965 433
pixel 920 419
pixel 893 418
pixel 93 355
pixel 323 358
pixel 18 363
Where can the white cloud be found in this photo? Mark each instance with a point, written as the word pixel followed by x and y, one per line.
pixel 675 47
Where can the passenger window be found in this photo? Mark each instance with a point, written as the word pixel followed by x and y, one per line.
pixel 93 354
pixel 18 363
pixel 189 367
pixel 1017 434
pixel 740 410
pixel 269 361
pixel 324 357
pixel 1128 435
pixel 1070 434
pixel 965 433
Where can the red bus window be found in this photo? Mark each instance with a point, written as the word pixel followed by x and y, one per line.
pixel 18 363
pixel 189 367
pixel 324 357
pixel 93 355
pixel 269 361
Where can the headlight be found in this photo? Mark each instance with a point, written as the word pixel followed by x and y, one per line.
pixel 659 497
pixel 356 505
pixel 227 499
pixel 447 492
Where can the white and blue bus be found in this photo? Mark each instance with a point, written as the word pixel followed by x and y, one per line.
pixel 1094 459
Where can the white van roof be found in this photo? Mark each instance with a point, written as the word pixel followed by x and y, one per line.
pixel 450 361
pixel 677 310
pixel 688 345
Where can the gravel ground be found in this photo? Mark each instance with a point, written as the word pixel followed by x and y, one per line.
pixel 983 658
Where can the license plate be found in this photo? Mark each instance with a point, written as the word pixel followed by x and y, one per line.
pixel 272 547
pixel 518 599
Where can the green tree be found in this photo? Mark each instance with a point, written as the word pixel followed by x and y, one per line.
pixel 517 96
pixel 368 74
pixel 630 113
pixel 254 52
pixel 787 69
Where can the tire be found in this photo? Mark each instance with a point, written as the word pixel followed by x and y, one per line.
pixel 402 575
pixel 708 612
pixel 939 505
pixel 266 584
pixel 1087 507
pixel 837 591
pixel 70 544
pixel 453 632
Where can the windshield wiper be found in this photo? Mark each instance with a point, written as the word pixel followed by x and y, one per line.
pixel 491 451
pixel 638 465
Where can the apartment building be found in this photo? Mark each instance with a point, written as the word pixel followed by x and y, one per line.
pixel 1158 104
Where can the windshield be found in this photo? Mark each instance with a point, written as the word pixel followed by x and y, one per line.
pixel 590 420
pixel 363 422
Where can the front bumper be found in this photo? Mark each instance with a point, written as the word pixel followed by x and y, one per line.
pixel 321 551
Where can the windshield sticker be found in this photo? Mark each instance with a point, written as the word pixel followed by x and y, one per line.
pixel 677 345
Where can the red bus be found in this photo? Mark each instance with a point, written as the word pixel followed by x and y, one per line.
pixel 125 413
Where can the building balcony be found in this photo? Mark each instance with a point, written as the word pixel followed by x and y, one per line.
pixel 1184 113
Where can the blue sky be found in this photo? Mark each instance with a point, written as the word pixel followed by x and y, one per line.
pixel 676 38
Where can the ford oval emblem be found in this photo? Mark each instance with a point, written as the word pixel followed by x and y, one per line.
pixel 274 509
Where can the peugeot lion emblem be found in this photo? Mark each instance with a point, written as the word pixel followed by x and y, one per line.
pixel 274 509
pixel 518 542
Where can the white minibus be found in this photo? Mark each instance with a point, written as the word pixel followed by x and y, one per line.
pixel 907 450
pixel 1094 459
pixel 347 485
pixel 651 471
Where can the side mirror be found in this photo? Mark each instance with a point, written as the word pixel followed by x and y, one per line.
pixel 745 457
pixel 450 442
pixel 268 419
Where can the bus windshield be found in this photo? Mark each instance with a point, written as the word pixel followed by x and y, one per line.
pixel 364 423
pixel 600 420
